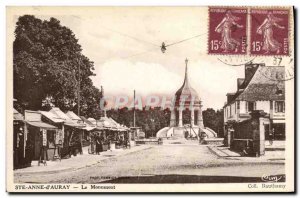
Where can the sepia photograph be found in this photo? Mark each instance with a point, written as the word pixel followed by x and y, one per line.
pixel 150 99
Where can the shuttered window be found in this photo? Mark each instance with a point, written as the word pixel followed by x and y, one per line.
pixel 279 106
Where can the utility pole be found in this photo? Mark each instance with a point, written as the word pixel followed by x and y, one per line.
pixel 78 89
pixel 133 108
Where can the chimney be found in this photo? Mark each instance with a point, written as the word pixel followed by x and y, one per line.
pixel 250 69
pixel 240 82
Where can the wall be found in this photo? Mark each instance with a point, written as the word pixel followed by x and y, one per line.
pixel 243 130
pixel 263 105
pixel 243 107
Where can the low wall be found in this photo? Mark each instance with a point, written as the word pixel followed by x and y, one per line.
pixel 212 141
pixel 149 141
pixel 242 145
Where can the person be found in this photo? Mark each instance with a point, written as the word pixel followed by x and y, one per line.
pixel 98 144
pixel 126 141
pixel 270 44
pixel 225 27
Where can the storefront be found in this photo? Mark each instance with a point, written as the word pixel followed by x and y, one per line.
pixel 72 133
pixel 20 158
pixel 55 140
pixel 39 137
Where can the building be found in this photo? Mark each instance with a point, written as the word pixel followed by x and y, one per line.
pixel 262 89
pixel 186 98
pixel 187 104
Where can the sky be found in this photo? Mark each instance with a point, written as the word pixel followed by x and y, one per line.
pixel 124 45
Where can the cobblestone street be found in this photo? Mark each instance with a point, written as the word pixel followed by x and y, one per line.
pixel 161 164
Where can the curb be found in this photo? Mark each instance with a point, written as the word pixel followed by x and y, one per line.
pixel 224 155
pixel 74 168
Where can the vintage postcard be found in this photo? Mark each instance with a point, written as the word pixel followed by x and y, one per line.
pixel 150 99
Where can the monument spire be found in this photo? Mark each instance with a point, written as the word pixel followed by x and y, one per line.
pixel 186 77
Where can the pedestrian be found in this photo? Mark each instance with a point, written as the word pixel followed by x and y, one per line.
pixel 98 144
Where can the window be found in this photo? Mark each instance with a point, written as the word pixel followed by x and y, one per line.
pixel 279 106
pixel 250 106
pixel 235 107
pixel 271 105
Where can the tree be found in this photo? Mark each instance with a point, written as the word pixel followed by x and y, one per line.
pixel 214 120
pixel 150 119
pixel 46 63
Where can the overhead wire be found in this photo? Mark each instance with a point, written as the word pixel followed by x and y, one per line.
pixel 134 38
pixel 185 39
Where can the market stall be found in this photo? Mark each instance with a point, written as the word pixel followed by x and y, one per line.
pixel 20 158
pixel 38 136
pixel 55 148
pixel 72 144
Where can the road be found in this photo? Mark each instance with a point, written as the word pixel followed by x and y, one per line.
pixel 163 164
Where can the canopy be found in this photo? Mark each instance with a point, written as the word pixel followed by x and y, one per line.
pixel 67 120
pixel 110 124
pixel 51 116
pixel 18 116
pixel 41 124
pixel 73 116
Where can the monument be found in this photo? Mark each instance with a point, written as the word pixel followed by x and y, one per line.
pixel 187 104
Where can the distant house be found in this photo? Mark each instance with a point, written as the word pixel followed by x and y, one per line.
pixel 262 89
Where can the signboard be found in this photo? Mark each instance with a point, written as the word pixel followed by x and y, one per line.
pixel 44 132
pixel 59 136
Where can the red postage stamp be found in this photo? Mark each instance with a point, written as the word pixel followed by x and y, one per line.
pixel 269 32
pixel 227 30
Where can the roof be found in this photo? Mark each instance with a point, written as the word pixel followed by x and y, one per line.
pixel 73 116
pixel 51 116
pixel 59 113
pixel 111 124
pixel 255 92
pixel 34 118
pixel 41 124
pixel 86 121
pixel 265 84
pixel 92 120
pixel 186 92
pixel 18 116
pixel 67 120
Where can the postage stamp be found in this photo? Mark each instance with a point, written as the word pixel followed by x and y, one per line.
pixel 269 32
pixel 227 30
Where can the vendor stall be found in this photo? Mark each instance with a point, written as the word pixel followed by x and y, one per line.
pixel 55 148
pixel 20 158
pixel 72 144
pixel 87 130
pixel 40 136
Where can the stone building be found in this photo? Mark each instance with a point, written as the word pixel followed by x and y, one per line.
pixel 263 88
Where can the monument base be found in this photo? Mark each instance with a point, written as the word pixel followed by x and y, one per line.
pixel 186 132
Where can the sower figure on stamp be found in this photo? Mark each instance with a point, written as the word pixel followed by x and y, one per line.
pixel 270 44
pixel 225 27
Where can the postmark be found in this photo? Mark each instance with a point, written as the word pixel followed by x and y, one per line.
pixel 279 61
pixel 269 32
pixel 238 60
pixel 227 30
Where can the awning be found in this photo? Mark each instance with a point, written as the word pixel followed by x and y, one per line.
pixel 40 124
pixel 52 117
pixel 18 116
pixel 73 124
pixel 89 128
